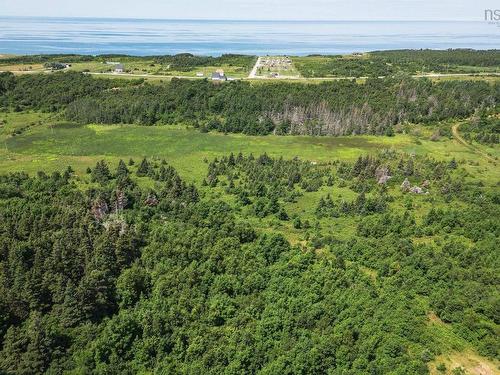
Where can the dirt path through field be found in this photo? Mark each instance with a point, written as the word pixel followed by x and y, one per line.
pixel 460 139
pixel 253 73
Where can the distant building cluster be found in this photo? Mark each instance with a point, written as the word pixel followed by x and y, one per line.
pixel 56 66
pixel 275 64
pixel 281 62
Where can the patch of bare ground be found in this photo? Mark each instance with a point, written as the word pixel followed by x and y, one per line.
pixel 467 360
pixel 470 362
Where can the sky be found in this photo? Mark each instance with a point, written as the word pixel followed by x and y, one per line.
pixel 255 9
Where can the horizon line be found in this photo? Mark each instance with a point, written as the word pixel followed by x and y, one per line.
pixel 238 20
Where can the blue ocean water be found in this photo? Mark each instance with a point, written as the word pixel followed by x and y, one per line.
pixel 31 35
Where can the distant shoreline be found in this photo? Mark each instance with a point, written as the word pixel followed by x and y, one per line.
pixel 233 20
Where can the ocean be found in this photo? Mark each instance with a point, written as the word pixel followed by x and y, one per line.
pixel 32 35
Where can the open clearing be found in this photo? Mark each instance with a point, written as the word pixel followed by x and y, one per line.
pixel 43 142
pixel 303 68
pixel 472 363
pixel 457 355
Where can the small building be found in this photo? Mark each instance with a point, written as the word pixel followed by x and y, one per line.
pixel 119 68
pixel 219 76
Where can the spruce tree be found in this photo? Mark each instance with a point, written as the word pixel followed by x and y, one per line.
pixel 122 170
pixel 101 173
pixel 144 168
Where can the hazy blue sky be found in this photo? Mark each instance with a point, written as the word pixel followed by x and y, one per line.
pixel 256 9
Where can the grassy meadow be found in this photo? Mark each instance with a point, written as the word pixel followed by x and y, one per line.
pixel 150 68
pixel 135 66
pixel 374 64
pixel 43 141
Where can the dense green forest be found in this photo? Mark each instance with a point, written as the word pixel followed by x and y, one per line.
pixel 440 59
pixel 329 108
pixel 388 63
pixel 47 58
pixel 132 270
pixel 187 61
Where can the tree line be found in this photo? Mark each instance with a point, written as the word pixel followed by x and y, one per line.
pixel 329 108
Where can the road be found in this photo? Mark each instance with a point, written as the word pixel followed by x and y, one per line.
pixel 253 73
pixel 132 75
pixel 436 75
pixel 428 75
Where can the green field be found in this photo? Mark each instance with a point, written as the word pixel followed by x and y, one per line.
pixel 362 66
pixel 168 228
pixel 141 68
pixel 49 144
pixel 233 67
pixel 325 66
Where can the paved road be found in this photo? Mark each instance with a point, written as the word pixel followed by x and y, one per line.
pixel 456 74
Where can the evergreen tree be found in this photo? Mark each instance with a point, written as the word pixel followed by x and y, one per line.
pixel 101 173
pixel 122 170
pixel 144 168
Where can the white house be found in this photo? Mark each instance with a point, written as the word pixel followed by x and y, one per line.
pixel 219 76
pixel 119 68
